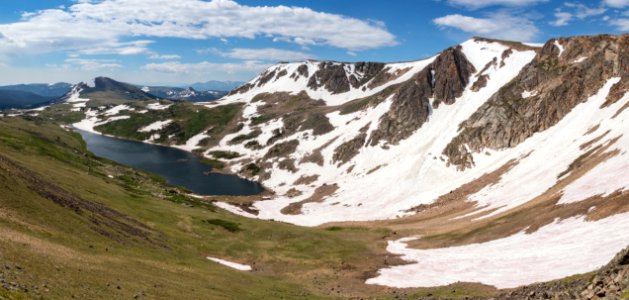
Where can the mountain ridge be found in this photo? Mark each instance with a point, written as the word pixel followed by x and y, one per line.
pixel 446 148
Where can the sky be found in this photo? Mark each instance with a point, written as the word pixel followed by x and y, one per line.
pixel 180 42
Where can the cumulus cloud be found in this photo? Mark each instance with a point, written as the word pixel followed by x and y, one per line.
pixel 498 25
pixel 621 24
pixel 474 4
pixel 100 26
pixel 617 3
pixel 267 54
pixel 576 10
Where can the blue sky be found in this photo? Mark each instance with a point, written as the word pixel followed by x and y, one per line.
pixel 185 41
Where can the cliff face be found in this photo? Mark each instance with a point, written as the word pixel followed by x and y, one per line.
pixel 443 80
pixel 564 73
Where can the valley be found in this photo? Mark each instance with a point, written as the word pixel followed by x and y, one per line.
pixel 491 169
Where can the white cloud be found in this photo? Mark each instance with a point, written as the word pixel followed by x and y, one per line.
pixel 578 11
pixel 248 67
pixel 499 25
pixel 268 54
pixel 617 3
pixel 562 18
pixel 621 24
pixel 164 56
pixel 100 26
pixel 94 64
pixel 473 4
pixel 127 48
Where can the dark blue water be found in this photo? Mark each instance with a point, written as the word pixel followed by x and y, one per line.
pixel 178 167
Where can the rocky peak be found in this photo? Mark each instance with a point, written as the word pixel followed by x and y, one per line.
pixel 564 73
pixel 443 80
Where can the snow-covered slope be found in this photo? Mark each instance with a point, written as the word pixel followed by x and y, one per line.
pixel 183 94
pixel 548 125
pixel 334 82
pixel 486 145
pixel 412 169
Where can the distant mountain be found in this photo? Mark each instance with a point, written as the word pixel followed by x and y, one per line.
pixel 31 95
pixel 183 94
pixel 41 89
pixel 105 91
pixel 21 99
pixel 214 85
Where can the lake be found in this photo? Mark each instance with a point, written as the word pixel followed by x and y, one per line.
pixel 178 167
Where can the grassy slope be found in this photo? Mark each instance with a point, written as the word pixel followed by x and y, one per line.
pixel 189 120
pixel 55 246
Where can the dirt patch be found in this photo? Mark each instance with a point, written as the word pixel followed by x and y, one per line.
pixel 620 110
pixel 319 194
pixel 593 141
pixel 463 192
pixel 305 180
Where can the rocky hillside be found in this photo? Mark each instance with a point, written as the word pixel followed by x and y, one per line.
pixel 183 94
pixel 106 91
pixel 486 145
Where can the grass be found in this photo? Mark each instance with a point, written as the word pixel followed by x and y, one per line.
pixel 225 154
pixel 188 121
pixel 262 119
pixel 215 163
pixel 243 137
pixel 253 168
pixel 69 252
pixel 227 225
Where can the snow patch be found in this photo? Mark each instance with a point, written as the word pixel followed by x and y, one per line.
pixel 559 46
pixel 563 248
pixel 157 106
pixel 527 94
pixel 230 264
pixel 155 126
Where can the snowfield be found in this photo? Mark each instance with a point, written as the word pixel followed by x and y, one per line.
pixel 385 181
pixel 421 177
pixel 564 248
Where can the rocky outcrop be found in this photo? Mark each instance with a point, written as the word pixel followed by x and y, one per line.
pixel 302 70
pixel 557 79
pixel 335 77
pixel 444 80
pixel 346 151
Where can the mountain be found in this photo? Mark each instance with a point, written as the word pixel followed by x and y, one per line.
pixel 111 231
pixel 214 85
pixel 31 95
pixel 21 99
pixel 183 94
pixel 106 91
pixel 486 147
pixel 45 90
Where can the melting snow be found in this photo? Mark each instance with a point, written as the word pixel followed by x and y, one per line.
pixel 527 94
pixel 230 264
pixel 561 249
pixel 559 46
pixel 155 126
pixel 193 142
pixel 157 106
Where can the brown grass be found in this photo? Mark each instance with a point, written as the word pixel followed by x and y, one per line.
pixel 319 194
